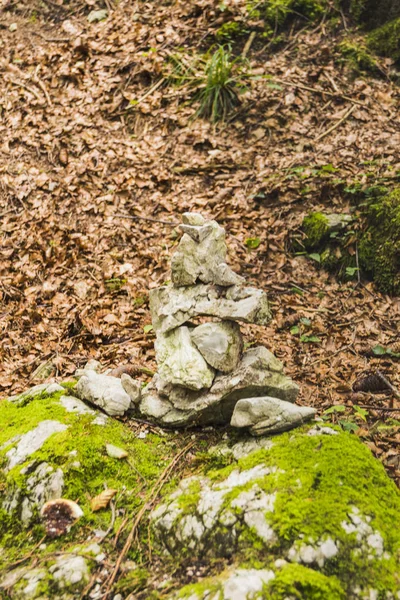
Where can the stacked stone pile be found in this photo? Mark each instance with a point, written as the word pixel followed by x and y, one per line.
pixel 204 376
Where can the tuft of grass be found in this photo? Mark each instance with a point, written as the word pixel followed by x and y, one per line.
pixel 218 95
pixel 215 81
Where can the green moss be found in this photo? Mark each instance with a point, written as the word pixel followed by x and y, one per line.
pixel 188 501
pixel 278 11
pixel 386 40
pixel 230 30
pixel 357 55
pixel 80 452
pixel 301 582
pixel 379 247
pixel 316 229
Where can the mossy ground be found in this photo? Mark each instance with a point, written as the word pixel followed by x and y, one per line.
pixel 81 454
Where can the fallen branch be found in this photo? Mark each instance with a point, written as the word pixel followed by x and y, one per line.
pixel 336 125
pixel 300 86
pixel 248 44
pixel 139 218
pixel 146 505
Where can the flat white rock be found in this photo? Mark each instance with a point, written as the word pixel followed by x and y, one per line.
pixel 32 441
pixel 171 306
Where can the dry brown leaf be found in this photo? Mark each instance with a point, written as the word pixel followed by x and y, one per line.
pixel 102 500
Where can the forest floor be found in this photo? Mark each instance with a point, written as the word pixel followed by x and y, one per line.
pixel 99 155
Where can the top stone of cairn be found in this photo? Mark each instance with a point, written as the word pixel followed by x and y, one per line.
pixel 201 254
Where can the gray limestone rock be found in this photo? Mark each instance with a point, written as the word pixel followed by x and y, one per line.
pixel 104 391
pixel 171 307
pixel 32 441
pixel 44 483
pixel 259 373
pixel 43 389
pixel 193 218
pixel 132 387
pixel 201 255
pixel 70 571
pixel 220 344
pixel 269 415
pixel 72 404
pixel 180 363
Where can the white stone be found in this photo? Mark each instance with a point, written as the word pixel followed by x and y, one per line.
pixel 70 570
pixel 35 391
pixel 328 548
pixel 104 391
pixel 246 584
pixel 171 307
pixel 132 387
pixel 269 415
pixel 220 344
pixel 32 441
pixel 180 363
pixel 72 404
pixel 318 430
pixel 238 478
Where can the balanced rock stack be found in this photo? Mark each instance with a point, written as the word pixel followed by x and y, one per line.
pixel 204 376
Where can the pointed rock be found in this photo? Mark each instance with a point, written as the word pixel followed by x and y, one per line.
pixel 269 415
pixel 201 254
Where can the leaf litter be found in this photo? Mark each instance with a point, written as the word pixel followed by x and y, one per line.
pixel 100 153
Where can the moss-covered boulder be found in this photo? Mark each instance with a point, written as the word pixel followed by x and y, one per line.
pixel 379 247
pixel 369 244
pixel 385 40
pixel 310 516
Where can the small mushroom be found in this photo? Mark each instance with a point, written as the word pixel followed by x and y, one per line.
pixel 59 515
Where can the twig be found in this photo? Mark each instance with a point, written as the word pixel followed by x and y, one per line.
pixel 300 86
pixel 49 39
pixel 29 89
pixel 44 90
pixel 149 500
pixel 139 218
pixel 342 349
pixel 358 265
pixel 152 89
pixel 112 522
pixel 336 125
pixel 31 553
pixel 248 44
pixel 379 408
pixel 394 390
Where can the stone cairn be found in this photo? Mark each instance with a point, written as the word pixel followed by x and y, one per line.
pixel 204 376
